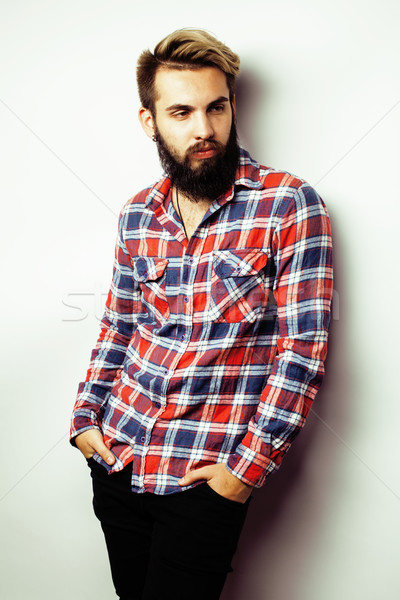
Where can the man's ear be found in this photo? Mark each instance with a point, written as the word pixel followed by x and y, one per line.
pixel 147 121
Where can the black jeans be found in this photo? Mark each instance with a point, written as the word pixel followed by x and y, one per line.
pixel 173 547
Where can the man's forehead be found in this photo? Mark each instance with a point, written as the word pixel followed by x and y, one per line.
pixel 188 85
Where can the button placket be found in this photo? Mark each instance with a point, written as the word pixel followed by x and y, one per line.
pixel 191 269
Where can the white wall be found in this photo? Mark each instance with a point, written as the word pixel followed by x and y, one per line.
pixel 319 96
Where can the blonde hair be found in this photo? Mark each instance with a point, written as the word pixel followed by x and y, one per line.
pixel 184 49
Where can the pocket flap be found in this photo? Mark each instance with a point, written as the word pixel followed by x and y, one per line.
pixel 148 269
pixel 239 263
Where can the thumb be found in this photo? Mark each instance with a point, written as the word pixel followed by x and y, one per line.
pixel 104 452
pixel 197 474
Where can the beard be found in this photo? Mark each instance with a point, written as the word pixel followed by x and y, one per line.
pixel 212 178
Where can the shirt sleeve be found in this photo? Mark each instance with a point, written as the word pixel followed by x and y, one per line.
pixel 302 248
pixel 117 327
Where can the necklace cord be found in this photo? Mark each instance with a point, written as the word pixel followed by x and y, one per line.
pixel 179 211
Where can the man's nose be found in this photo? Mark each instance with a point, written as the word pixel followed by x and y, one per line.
pixel 203 129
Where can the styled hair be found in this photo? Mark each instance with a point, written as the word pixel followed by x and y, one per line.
pixel 184 49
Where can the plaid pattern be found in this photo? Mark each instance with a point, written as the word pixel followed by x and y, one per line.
pixel 212 350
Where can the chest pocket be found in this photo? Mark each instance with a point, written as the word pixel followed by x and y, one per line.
pixel 151 275
pixel 238 290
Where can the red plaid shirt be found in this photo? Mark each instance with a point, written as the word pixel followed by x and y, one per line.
pixel 211 350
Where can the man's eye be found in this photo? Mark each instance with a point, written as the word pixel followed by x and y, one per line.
pixel 181 114
pixel 218 108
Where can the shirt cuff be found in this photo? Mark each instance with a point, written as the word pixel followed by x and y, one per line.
pixel 83 420
pixel 249 467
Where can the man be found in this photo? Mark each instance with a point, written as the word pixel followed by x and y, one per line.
pixel 214 335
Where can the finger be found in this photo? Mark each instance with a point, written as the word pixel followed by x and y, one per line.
pixel 101 449
pixel 106 455
pixel 204 473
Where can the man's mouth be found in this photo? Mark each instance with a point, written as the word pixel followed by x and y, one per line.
pixel 205 150
pixel 204 153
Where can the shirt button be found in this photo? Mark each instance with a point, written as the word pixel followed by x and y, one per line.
pixel 142 439
pixel 186 299
pixel 182 337
pixel 165 371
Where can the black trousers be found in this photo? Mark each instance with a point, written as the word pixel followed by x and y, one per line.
pixel 173 547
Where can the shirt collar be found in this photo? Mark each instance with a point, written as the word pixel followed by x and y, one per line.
pixel 247 175
pixel 248 172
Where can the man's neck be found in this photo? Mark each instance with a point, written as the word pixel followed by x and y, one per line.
pixel 191 212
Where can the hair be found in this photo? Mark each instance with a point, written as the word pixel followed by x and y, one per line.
pixel 184 49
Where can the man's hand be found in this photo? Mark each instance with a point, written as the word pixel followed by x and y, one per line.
pixel 91 441
pixel 221 481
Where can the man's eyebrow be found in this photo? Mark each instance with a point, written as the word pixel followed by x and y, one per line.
pixel 218 101
pixel 179 107
pixel 188 107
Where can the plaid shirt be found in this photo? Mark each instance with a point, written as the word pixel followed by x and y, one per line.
pixel 211 350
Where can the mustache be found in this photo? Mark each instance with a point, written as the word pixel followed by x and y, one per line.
pixel 205 145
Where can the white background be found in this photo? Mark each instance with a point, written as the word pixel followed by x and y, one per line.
pixel 319 96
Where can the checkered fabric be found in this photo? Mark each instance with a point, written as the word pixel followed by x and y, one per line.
pixel 212 350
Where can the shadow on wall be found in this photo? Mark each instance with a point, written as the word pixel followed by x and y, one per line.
pixel 251 98
pixel 288 516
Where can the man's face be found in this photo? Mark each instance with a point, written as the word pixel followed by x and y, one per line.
pixel 195 131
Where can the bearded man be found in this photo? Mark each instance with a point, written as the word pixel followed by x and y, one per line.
pixel 214 335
